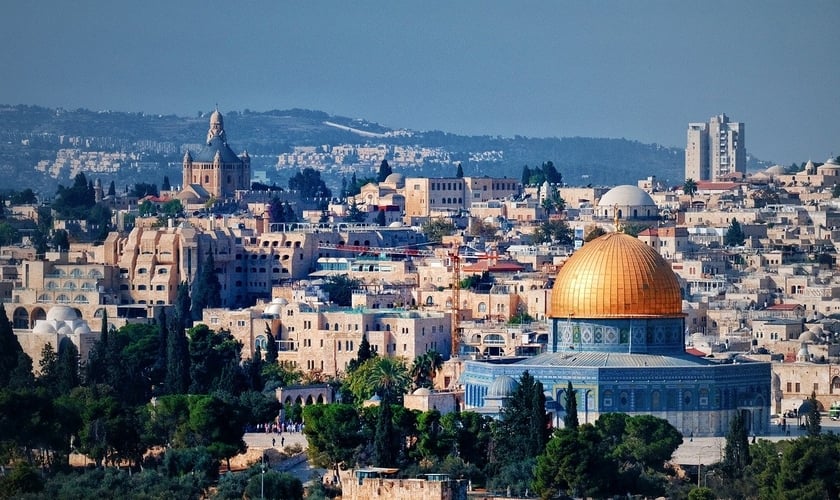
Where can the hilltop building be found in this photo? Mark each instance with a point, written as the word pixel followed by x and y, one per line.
pixel 215 170
pixel 715 150
pixel 616 332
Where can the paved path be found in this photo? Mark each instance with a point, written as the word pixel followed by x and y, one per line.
pixel 708 450
pixel 301 470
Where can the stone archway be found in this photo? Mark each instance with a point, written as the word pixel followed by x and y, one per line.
pixel 36 314
pixel 20 319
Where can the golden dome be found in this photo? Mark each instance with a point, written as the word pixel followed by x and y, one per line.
pixel 616 276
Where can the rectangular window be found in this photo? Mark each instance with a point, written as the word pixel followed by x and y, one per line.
pixel 816 387
pixel 797 387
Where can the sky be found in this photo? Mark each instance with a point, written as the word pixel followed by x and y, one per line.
pixel 641 70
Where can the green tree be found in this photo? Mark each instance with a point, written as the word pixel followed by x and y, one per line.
pixel 340 289
pixel 384 376
pixel 214 361
pixel 176 379
pixel 570 420
pixel 812 418
pixel 166 186
pixel 354 213
pixel 333 433
pixel 310 185
pixel 47 377
pixel 557 231
pixel 386 441
pixel 384 171
pixel 526 175
pixel 734 235
pixel 11 353
pixel 519 436
pixel 270 346
pixel 8 234
pixel 363 354
pixel 380 218
pixel 701 493
pixel 736 455
pixel 459 173
pixel 436 229
pixel 690 187
pixel 206 290
pixel 274 485
pixel 67 367
pixel 425 367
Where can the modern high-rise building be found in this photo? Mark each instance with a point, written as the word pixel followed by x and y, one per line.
pixel 715 151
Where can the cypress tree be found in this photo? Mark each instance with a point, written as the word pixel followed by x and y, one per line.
pixel 736 454
pixel 67 367
pixel 10 349
pixel 571 418
pixel 207 291
pixel 460 172
pixel 813 418
pixel 384 445
pixel 270 347
pixel 177 377
pixel 384 171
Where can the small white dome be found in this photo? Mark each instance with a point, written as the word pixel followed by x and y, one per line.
pixel 82 329
pixel 422 392
pixel 273 310
pixel 396 223
pixel 65 330
pixel 626 196
pixel 62 313
pixel 43 327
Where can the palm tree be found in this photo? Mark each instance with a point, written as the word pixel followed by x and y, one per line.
pixel 690 187
pixel 389 379
pixel 425 367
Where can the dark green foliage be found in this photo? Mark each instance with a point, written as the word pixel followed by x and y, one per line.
pixel 310 185
pixel 214 361
pixel 67 367
pixel 570 420
pixel 22 479
pixel 354 213
pixel 125 360
pixel 270 347
pixel 142 189
pixel 734 235
pixel 196 461
pixel 74 202
pixel 112 189
pixel 116 483
pixel 25 197
pixel 177 374
pixel 334 435
pixel 546 172
pixel 813 418
pixel 384 171
pixel 183 305
pixel 279 211
pixel 274 485
pixel 436 229
pixel 519 436
pixel 425 367
pixel 380 218
pixel 385 444
pixel 553 231
pixel 340 289
pixel 459 173
pixel 12 356
pixel 165 186
pixel 8 234
pixel 618 455
pixel 737 451
pixel 690 187
pixel 526 175
pixel 259 407
pixel 363 354
pixel 206 290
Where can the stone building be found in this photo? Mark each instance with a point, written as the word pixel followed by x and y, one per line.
pixel 215 170
pixel 617 334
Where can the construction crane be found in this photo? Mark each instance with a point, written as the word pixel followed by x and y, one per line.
pixel 455 260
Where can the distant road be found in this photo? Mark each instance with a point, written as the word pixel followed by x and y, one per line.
pixel 363 133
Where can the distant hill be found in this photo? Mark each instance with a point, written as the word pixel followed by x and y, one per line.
pixel 31 134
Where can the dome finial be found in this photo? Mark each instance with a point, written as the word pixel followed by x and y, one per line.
pixel 618 228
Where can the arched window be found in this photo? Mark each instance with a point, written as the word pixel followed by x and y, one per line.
pixel 262 342
pixel 80 299
pixel 62 299
pixel 482 307
pixel 20 318
pixel 430 301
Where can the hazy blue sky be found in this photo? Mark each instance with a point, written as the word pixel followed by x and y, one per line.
pixel 636 69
